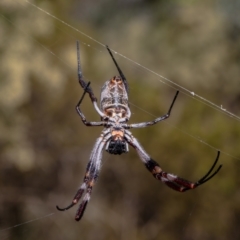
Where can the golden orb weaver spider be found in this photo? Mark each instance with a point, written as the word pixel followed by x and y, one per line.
pixel 115 137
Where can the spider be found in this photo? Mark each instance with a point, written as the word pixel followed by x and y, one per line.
pixel 115 137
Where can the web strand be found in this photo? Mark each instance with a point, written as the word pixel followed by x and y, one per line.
pixel 162 79
pixel 197 138
pixel 30 221
pixel 168 82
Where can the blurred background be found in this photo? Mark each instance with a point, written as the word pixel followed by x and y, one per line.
pixel 44 147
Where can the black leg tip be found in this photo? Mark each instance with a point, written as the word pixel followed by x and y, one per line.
pixel 60 209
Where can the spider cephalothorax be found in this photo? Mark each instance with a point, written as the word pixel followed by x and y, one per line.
pixel 115 113
pixel 117 143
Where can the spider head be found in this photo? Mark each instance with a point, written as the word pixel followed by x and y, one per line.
pixel 117 144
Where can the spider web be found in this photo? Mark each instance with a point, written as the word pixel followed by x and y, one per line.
pixel 135 65
pixel 161 79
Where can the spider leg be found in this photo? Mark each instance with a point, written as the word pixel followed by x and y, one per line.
pixel 81 113
pixel 97 160
pixel 206 177
pixel 183 185
pixel 119 70
pixel 171 180
pixel 92 172
pixel 80 191
pixel 82 188
pixel 146 124
pixel 84 85
pixel 87 196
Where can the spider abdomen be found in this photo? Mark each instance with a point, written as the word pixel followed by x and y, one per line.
pixel 114 94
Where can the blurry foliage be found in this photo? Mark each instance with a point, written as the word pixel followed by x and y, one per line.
pixel 44 147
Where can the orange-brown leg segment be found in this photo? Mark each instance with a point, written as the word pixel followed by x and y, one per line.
pixel 178 183
pixel 171 180
pixel 90 178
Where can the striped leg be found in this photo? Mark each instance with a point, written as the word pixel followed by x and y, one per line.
pixel 92 172
pixel 171 180
pixel 85 85
pixel 91 182
pixel 80 113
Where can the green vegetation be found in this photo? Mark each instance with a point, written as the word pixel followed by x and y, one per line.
pixel 44 147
